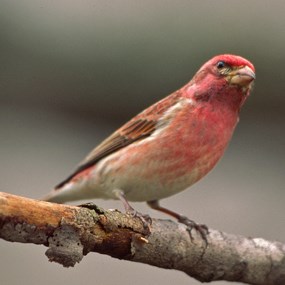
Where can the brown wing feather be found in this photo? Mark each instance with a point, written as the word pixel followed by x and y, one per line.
pixel 140 127
pixel 131 132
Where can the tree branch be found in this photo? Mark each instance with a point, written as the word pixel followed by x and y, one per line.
pixel 71 232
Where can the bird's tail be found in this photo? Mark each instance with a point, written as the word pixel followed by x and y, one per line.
pixel 55 196
pixel 68 192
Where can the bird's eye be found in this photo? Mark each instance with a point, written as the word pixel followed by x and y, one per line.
pixel 221 64
pixel 223 68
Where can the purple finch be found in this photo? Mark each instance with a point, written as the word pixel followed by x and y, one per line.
pixel 170 145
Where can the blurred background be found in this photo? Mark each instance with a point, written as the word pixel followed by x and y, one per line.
pixel 71 72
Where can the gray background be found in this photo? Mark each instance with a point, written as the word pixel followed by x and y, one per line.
pixel 71 72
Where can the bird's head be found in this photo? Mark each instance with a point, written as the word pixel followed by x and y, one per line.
pixel 234 69
pixel 225 77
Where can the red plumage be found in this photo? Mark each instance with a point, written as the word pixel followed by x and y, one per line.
pixel 170 145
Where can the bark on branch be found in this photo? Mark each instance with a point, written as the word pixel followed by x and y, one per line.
pixel 71 232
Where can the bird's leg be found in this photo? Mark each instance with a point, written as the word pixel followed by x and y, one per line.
pixel 202 229
pixel 130 210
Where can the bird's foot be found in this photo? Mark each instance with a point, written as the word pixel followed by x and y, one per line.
pixel 202 229
pixel 146 219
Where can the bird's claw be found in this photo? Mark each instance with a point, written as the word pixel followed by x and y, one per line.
pixel 202 229
pixel 146 219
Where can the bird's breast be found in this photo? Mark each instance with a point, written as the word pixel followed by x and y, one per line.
pixel 175 159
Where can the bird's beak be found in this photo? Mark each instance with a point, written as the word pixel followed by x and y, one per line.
pixel 241 76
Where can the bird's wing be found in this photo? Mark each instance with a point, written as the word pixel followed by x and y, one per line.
pixel 138 128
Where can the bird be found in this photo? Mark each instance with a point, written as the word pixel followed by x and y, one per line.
pixel 169 146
